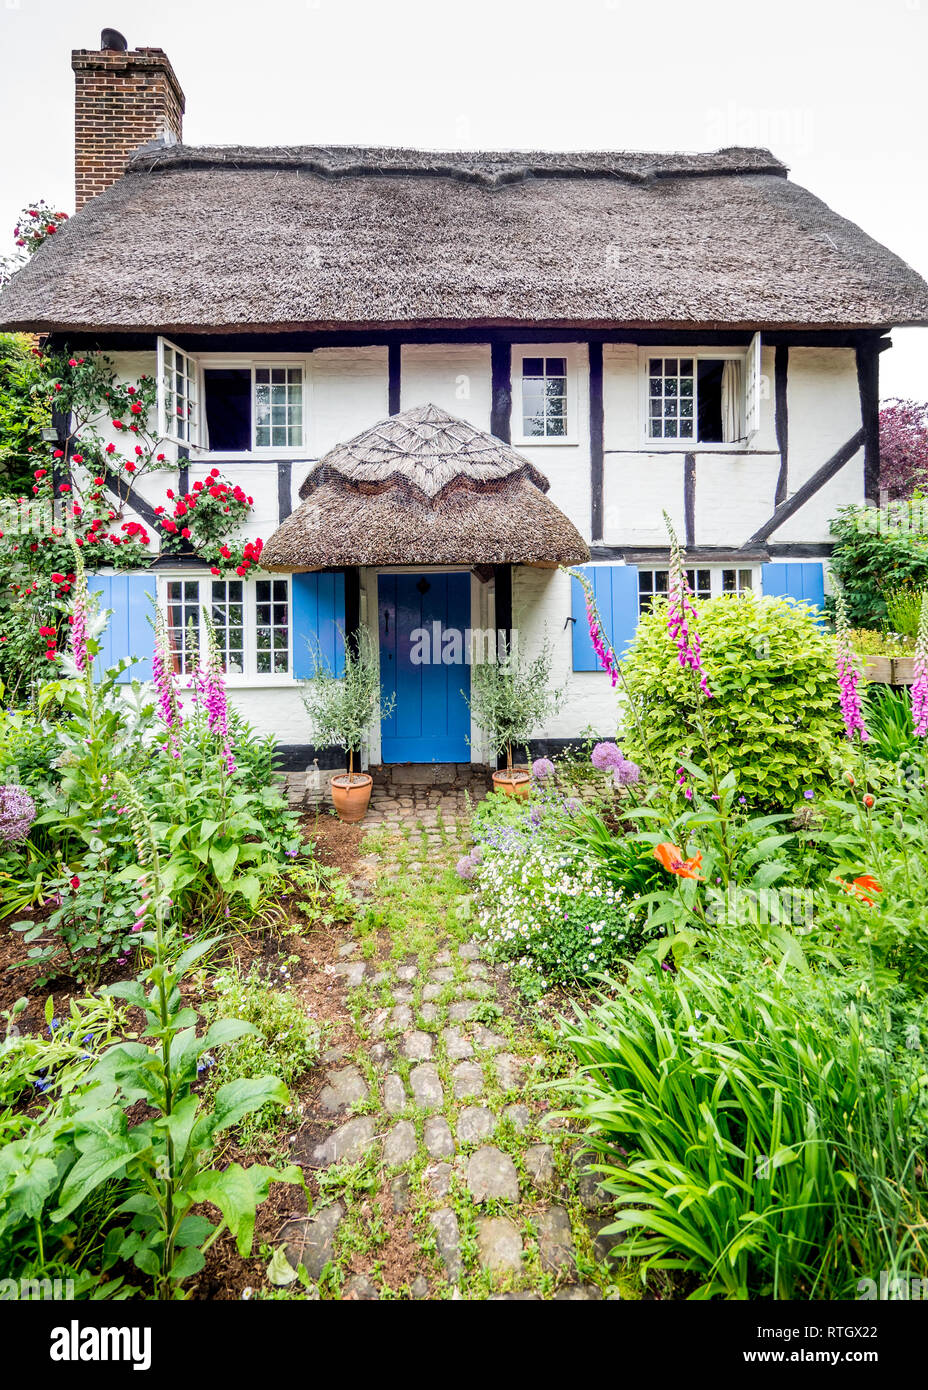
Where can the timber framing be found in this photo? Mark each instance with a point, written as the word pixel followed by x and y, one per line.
pixel 306 340
pixel 781 419
pixel 597 470
pixel 501 391
pixel 809 488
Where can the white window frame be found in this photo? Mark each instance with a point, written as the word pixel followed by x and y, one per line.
pixel 749 358
pixel 167 421
pixel 244 363
pixel 715 578
pixel 250 677
pixel 545 441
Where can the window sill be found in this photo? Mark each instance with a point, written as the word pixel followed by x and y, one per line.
pixel 208 456
pixel 694 446
pixel 246 682
pixel 545 442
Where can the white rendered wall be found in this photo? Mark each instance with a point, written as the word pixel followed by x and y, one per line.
pixel 455 377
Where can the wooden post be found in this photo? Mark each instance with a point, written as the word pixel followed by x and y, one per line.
pixel 501 391
pixel 596 441
pixel 781 419
pixel 868 382
pixel 394 377
pixel 353 626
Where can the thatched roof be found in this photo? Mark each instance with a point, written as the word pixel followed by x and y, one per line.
pixel 424 488
pixel 223 240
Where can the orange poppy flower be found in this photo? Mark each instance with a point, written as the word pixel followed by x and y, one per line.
pixel 861 887
pixel 672 860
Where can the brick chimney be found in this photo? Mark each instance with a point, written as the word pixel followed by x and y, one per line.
pixel 123 99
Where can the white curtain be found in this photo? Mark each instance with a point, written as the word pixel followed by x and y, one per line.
pixel 732 401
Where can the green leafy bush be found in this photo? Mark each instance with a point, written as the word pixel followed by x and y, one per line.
pixel 774 718
pixel 876 549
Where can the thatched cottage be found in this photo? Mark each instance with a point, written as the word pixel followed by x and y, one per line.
pixel 444 375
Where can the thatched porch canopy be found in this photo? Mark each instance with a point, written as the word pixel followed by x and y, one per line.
pixel 424 488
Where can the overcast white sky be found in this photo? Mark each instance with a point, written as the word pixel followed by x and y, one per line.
pixel 837 88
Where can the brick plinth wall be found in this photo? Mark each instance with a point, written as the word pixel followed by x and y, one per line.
pixel 122 101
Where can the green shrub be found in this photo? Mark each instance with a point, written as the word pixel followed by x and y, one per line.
pixel 872 553
pixel 761 1131
pixel 774 718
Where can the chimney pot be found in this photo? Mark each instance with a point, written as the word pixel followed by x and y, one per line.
pixel 111 41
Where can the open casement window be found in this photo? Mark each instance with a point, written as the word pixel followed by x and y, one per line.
pixel 703 397
pixel 251 620
pixel 752 389
pixel 178 394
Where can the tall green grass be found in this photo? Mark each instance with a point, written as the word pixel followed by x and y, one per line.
pixel 763 1136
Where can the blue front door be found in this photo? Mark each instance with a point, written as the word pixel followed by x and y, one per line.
pixel 424 628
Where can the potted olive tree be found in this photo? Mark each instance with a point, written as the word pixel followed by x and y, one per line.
pixel 341 710
pixel 508 700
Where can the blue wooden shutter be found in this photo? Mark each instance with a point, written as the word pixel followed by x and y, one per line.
pixel 318 622
pixel 129 631
pixel 615 589
pixel 804 581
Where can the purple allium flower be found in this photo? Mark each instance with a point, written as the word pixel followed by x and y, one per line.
pixel 920 684
pixel 682 615
pixel 626 774
pixel 17 812
pixel 848 676
pixel 607 757
pixel 809 794
pixel 466 867
pixel 571 805
pixel 542 768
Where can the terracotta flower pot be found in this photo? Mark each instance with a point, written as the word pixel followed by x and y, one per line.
pixel 517 785
pixel 351 796
pixel 903 670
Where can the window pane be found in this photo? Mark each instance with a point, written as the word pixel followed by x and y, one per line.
pixel 555 366
pixel 182 621
pixel 533 366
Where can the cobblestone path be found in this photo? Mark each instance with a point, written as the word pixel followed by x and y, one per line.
pixel 442 1169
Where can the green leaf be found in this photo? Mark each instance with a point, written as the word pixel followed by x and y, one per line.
pixel 104 1160
pixel 239 1098
pixel 280 1271
pixel 189 1261
pixel 223 861
pixel 248 886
